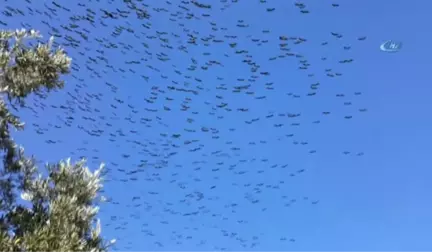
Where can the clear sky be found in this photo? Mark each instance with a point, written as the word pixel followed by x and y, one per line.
pixel 193 165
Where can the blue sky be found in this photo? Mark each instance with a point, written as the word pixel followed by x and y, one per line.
pixel 232 194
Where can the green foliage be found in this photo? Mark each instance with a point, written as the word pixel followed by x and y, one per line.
pixel 60 214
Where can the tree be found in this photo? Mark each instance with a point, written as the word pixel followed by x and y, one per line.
pixel 58 211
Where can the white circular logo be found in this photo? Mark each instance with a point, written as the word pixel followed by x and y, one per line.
pixel 391 46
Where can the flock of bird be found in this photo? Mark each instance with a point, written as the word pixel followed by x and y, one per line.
pixel 200 112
